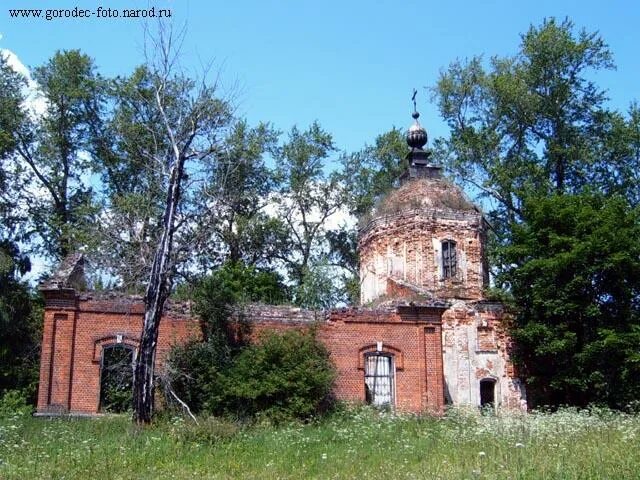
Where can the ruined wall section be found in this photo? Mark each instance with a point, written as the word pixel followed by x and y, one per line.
pixel 78 328
pixel 412 335
pixel 476 347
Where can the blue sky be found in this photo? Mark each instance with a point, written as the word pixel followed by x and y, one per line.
pixel 351 65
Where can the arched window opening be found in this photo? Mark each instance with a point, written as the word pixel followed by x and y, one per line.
pixel 116 378
pixel 449 260
pixel 379 379
pixel 487 394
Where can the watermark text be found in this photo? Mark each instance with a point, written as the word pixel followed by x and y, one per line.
pixel 50 14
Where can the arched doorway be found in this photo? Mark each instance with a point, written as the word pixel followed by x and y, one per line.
pixel 487 393
pixel 116 378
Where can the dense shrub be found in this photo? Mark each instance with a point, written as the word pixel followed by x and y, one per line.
pixel 14 402
pixel 196 370
pixel 574 274
pixel 20 325
pixel 283 376
pixel 216 297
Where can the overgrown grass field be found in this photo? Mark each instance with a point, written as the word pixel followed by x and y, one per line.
pixel 359 443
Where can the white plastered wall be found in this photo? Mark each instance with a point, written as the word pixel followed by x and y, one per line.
pixel 465 365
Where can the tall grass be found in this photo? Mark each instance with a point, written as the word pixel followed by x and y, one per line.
pixel 354 443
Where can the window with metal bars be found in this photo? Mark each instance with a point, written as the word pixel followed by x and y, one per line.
pixel 378 379
pixel 449 261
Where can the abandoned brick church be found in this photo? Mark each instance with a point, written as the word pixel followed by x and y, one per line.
pixel 423 337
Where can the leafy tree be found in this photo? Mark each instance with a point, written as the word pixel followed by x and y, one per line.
pixel 235 284
pixel 534 123
pixel 617 146
pixel 192 117
pixel 374 170
pixel 573 268
pixel 12 112
pixel 13 117
pixel 56 148
pixel 20 314
pixel 308 197
pixel 133 180
pixel 343 253
pixel 319 289
pixel 240 188
pixel 20 321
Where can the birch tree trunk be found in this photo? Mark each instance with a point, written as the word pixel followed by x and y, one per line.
pixel 188 118
pixel 154 300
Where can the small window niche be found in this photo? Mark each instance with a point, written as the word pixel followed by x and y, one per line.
pixel 395 266
pixel 486 339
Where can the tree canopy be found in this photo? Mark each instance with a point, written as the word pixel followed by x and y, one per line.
pixel 536 122
pixel 532 136
pixel 573 268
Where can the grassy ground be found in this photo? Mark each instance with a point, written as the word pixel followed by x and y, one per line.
pixel 354 444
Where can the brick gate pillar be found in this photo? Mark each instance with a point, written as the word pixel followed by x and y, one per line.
pixel 58 342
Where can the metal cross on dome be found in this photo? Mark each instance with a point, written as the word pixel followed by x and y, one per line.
pixel 413 98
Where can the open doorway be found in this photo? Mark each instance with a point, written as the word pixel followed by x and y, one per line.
pixel 487 394
pixel 116 378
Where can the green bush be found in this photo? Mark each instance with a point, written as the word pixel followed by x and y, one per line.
pixel 195 372
pixel 20 325
pixel 283 376
pixel 234 284
pixel 14 402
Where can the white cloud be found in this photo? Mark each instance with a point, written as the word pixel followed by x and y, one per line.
pixel 35 102
pixel 341 217
pixel 36 105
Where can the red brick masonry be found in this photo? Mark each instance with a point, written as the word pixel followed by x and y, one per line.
pixel 78 327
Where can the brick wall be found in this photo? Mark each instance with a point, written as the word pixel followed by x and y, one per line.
pixel 73 340
pixel 415 343
pixel 72 343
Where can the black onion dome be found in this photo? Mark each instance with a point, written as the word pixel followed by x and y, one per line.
pixel 416 135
